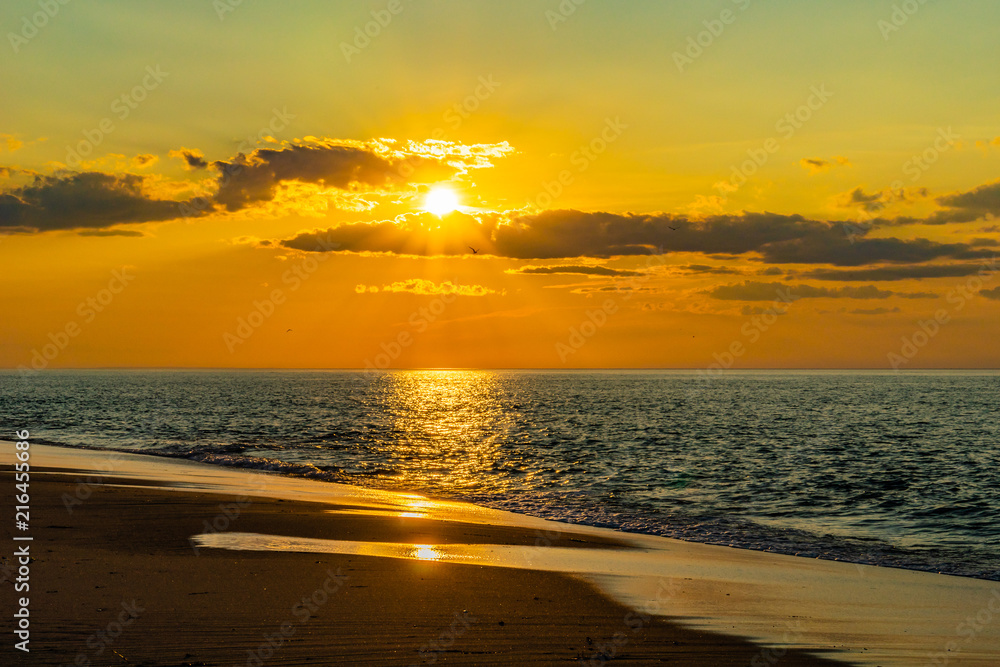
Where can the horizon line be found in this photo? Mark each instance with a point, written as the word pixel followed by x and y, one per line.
pixel 502 368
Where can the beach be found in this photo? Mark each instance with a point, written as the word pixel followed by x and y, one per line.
pixel 500 333
pixel 122 573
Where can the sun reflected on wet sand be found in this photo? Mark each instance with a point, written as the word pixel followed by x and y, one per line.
pixel 426 552
pixel 720 589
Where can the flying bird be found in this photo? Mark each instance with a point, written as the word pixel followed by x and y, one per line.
pixel 474 251
pixel 673 228
pixel 287 330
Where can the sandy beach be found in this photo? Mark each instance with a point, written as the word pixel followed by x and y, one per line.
pixel 128 568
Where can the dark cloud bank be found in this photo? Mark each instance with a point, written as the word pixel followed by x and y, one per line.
pixel 94 200
pixel 777 239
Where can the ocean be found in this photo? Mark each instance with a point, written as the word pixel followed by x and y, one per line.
pixel 894 469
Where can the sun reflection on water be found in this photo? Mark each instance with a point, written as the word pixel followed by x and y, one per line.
pixel 448 427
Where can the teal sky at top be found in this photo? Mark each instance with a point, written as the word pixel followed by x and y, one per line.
pixel 608 58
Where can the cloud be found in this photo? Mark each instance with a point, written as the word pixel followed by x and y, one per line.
pixel 760 310
pixel 859 196
pixel 246 180
pixel 85 200
pixel 696 269
pixel 755 291
pixel 562 234
pixel 985 144
pixel 193 158
pixel 993 293
pixel 888 273
pixel 839 251
pixel 144 160
pixel 11 142
pixel 610 288
pixel 417 234
pixel 573 269
pixel 109 232
pixel 873 311
pixel 427 288
pixel 818 165
pixel 345 165
pixel 878 200
pixel 970 205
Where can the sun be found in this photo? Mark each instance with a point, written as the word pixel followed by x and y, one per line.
pixel 440 200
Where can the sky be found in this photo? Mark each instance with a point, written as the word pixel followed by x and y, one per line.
pixel 527 184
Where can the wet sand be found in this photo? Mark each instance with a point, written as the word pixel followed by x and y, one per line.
pixel 118 581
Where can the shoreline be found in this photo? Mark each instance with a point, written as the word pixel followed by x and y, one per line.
pixel 831 547
pixel 140 514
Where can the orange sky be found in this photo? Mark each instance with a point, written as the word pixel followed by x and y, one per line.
pixel 469 185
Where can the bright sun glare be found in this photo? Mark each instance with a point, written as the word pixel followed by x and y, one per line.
pixel 440 201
